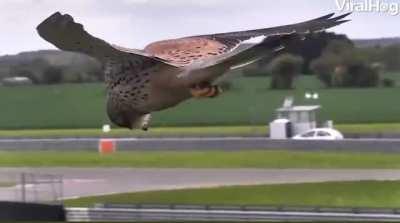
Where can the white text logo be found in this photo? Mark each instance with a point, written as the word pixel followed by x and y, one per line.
pixel 383 6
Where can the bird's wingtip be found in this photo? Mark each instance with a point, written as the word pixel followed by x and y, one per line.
pixel 328 16
pixel 337 18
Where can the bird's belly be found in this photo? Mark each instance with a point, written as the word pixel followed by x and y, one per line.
pixel 165 98
pixel 149 90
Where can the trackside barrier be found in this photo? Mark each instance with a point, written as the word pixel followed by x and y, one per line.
pixel 201 144
pixel 18 211
pixel 168 213
pixel 107 146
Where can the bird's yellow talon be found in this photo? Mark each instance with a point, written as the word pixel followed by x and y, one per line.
pixel 205 91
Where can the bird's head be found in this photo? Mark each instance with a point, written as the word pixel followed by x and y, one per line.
pixel 126 118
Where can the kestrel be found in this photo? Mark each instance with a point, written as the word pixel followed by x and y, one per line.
pixel 168 72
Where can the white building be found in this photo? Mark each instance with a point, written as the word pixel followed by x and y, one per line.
pixel 292 120
pixel 302 118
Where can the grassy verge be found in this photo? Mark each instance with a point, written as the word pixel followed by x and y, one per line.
pixel 189 131
pixel 363 194
pixel 209 159
pixel 373 128
pixel 154 132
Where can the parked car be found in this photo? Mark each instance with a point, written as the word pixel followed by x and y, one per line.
pixel 320 134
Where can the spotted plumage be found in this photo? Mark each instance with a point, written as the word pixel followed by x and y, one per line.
pixel 185 51
pixel 168 72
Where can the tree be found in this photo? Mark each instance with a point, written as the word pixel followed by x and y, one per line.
pixel 284 69
pixel 390 57
pixel 24 72
pixel 342 65
pixel 32 69
pixel 360 75
pixel 310 49
pixel 95 73
pixel 52 75
pixel 324 67
pixel 387 82
pixel 314 46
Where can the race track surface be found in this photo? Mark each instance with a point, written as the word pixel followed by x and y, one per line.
pixel 81 182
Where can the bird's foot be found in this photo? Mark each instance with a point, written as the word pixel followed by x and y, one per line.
pixel 205 90
pixel 146 122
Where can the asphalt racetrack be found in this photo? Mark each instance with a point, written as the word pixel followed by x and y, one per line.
pixel 201 144
pixel 81 182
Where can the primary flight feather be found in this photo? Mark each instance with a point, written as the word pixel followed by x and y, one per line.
pixel 168 72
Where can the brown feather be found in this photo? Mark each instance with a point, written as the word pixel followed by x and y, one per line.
pixel 183 52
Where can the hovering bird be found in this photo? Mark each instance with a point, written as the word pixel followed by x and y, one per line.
pixel 168 72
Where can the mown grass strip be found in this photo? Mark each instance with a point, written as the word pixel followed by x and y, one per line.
pixel 207 159
pixel 210 131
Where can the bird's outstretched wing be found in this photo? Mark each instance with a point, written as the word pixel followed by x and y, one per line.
pixel 219 52
pixel 209 70
pixel 231 39
pixel 186 51
pixel 66 34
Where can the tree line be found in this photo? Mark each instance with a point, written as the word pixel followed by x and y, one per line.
pixel 333 58
pixel 51 67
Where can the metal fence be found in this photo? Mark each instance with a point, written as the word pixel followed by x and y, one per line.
pixel 41 187
pixel 200 144
pixel 31 187
pixel 168 213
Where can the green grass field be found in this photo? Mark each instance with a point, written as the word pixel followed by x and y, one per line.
pixel 351 194
pixel 249 103
pixel 209 159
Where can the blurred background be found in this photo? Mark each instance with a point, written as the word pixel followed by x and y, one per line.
pixel 56 145
pixel 355 68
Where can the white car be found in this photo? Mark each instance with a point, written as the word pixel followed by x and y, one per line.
pixel 320 134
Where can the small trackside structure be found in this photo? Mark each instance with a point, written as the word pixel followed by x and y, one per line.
pixel 292 120
pixel 16 81
pixel 107 146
